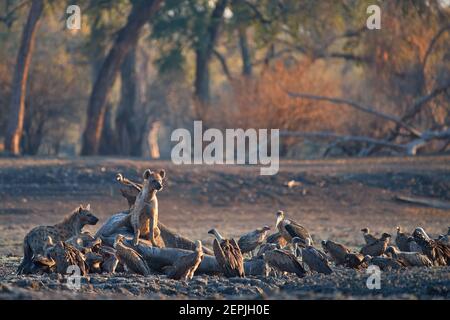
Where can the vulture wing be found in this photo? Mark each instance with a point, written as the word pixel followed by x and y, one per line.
pixel 284 261
pixel 296 230
pixel 236 261
pixel 316 261
pixel 277 238
pixel 133 260
pixel 220 257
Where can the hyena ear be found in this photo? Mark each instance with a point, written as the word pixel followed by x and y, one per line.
pixel 147 173
pixel 88 207
pixel 162 173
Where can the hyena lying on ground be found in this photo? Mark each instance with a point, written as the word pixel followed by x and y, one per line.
pixel 36 240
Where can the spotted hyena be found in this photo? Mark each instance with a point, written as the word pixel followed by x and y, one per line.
pixel 36 240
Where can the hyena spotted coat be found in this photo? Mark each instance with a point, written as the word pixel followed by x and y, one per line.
pixel 36 240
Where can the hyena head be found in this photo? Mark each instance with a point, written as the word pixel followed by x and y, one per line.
pixel 154 179
pixel 85 215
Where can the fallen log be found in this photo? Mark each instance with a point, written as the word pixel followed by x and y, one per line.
pixel 170 238
pixel 158 258
pixel 434 203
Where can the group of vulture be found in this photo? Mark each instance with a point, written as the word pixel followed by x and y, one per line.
pixel 292 250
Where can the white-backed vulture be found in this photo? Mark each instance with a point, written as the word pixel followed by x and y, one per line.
pixel 355 260
pixel 384 263
pixel 336 251
pixel 290 229
pixel 413 246
pixel 436 251
pixel 368 237
pixel 250 241
pixel 378 247
pixel 314 258
pixel 411 259
pixel 401 240
pixel 228 255
pixel 284 261
pixel 278 239
pixel 185 267
pixel 66 255
pixel 130 258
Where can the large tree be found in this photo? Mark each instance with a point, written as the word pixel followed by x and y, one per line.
pixel 204 49
pixel 127 38
pixel 19 85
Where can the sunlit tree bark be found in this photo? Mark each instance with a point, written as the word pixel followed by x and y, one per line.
pixel 19 85
pixel 127 37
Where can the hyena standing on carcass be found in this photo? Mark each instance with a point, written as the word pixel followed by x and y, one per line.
pixel 143 216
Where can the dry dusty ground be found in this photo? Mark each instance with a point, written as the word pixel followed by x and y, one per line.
pixel 334 200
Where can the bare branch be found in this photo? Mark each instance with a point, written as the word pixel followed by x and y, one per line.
pixel 410 148
pixel 257 12
pixel 433 43
pixel 424 100
pixel 359 107
pixel 223 63
pixel 330 135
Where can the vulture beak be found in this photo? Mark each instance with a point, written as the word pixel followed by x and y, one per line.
pixel 216 234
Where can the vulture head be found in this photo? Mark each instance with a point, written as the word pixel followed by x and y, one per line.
pixel 391 251
pixel 324 245
pixel 365 230
pixel 216 234
pixel 280 217
pixel 420 234
pixel 119 239
pixel 385 236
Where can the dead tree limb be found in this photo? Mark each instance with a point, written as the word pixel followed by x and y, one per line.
pixel 330 135
pixel 224 64
pixel 409 148
pixel 420 102
pixel 359 107
pixel 434 203
pixel 433 42
pixel 413 146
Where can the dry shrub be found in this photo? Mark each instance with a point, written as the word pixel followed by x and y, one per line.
pixel 263 102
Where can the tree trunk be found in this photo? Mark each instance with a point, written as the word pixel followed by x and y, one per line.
pixel 125 128
pixel 204 51
pixel 19 85
pixel 245 52
pixel 109 140
pixel 126 39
